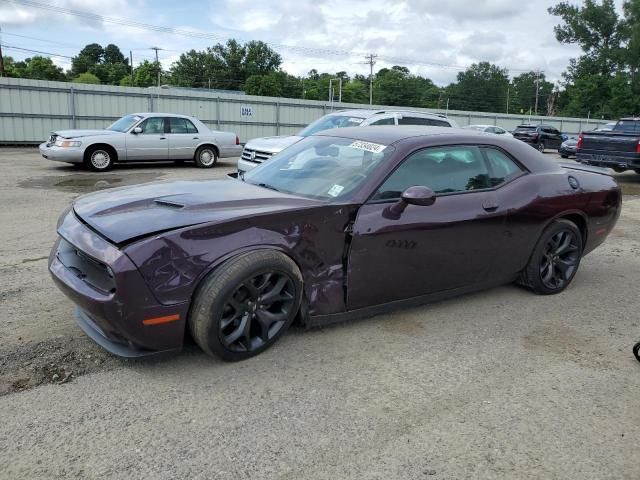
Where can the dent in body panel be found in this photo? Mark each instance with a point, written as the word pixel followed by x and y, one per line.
pixel 173 264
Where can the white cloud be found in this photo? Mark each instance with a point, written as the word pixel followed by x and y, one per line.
pixel 432 37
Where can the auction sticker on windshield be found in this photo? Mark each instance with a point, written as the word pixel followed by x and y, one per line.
pixel 368 146
pixel 335 190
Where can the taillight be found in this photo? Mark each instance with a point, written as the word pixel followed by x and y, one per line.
pixel 638 147
pixel 579 144
pixel 237 140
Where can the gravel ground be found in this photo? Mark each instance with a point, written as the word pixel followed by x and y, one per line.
pixel 499 384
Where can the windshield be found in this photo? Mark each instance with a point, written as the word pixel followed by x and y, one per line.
pixel 325 168
pixel 125 123
pixel 331 121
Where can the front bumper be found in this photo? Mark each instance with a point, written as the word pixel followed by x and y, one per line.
pixel 115 310
pixel 60 154
pixel 246 165
pixel 567 151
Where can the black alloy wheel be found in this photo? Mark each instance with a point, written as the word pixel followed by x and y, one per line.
pixel 256 311
pixel 560 260
pixel 555 259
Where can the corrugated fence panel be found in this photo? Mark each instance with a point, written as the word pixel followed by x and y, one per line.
pixel 30 109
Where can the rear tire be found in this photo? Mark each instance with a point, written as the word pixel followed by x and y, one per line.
pixel 246 305
pixel 564 156
pixel 99 159
pixel 541 147
pixel 206 156
pixel 555 259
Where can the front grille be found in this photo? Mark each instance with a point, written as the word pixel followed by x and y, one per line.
pixel 255 156
pixel 89 270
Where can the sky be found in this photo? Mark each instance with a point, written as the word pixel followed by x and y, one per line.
pixel 433 38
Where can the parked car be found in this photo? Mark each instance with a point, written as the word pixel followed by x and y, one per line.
pixel 345 223
pixel 607 127
pixel 539 136
pixel 142 137
pixel 568 148
pixel 489 129
pixel 618 149
pixel 258 150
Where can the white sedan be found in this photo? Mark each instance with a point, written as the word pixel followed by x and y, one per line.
pixel 142 137
pixel 489 129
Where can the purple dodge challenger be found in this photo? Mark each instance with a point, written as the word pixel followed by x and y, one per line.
pixel 346 223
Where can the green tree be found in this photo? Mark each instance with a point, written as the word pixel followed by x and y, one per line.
pixel 522 93
pixel 38 68
pixel 226 66
pixel 482 87
pixel 108 64
pixel 603 81
pixel 274 84
pixel 145 75
pixel 87 77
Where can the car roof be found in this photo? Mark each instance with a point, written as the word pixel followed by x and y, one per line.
pixel 370 112
pixel 480 125
pixel 389 134
pixel 160 114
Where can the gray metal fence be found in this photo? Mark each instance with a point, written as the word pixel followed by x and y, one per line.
pixel 31 109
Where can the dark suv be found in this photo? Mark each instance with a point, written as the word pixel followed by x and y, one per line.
pixel 539 136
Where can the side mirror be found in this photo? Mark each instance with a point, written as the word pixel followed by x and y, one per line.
pixel 137 130
pixel 418 195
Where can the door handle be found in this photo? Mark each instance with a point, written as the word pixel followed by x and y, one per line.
pixel 196 138
pixel 490 205
pixel 163 138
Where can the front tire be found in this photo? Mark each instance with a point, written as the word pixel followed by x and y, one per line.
pixel 99 159
pixel 206 156
pixel 246 305
pixel 555 259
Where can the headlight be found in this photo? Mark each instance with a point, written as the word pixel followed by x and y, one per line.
pixel 61 142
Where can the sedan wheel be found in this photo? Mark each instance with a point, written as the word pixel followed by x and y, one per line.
pixel 206 157
pixel 246 304
pixel 541 147
pixel 98 160
pixel 555 259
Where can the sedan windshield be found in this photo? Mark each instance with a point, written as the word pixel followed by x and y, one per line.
pixel 321 167
pixel 125 123
pixel 330 121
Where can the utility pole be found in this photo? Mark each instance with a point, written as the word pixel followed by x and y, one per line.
pixel 1 59
pixel 371 61
pixel 537 89
pixel 157 63
pixel 508 99
pixel 131 65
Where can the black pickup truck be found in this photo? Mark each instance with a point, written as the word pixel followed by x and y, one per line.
pixel 618 149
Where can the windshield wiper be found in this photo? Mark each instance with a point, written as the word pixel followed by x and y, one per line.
pixel 270 187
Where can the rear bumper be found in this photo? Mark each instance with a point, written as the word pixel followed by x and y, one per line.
pixel 609 159
pixel 230 151
pixel 115 319
pixel 59 154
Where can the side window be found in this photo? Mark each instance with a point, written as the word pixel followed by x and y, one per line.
pixel 178 125
pixel 384 121
pixel 503 169
pixel 422 121
pixel 443 169
pixel 153 125
pixel 191 128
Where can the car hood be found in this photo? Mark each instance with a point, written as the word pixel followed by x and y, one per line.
pixel 128 213
pixel 272 144
pixel 83 133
